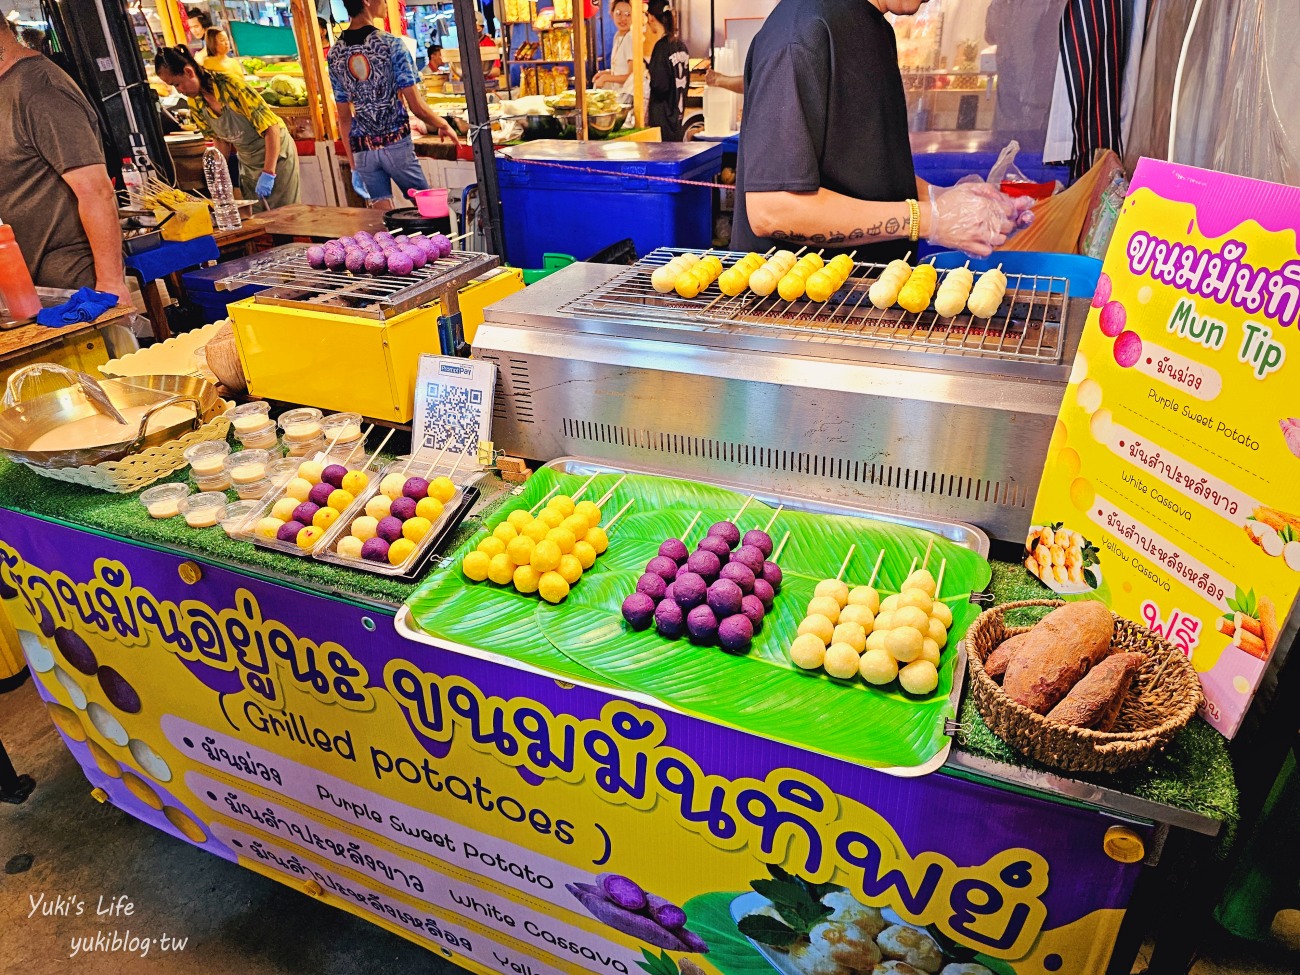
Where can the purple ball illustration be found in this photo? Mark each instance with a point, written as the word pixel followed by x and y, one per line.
pixel 389 528
pixel 705 564
pixel 760 539
pixel 670 621
pixel 652 586
pixel 1128 349
pixel 75 650
pixel 735 634
pixel 690 590
pixel 1113 317
pixel 639 610
pixel 752 607
pixel 772 576
pixel 661 565
pixel 376 263
pixel 319 495
pixel 316 256
pixel 765 593
pixel 750 557
pixel 1102 294
pixel 675 549
pixel 702 625
pixel 740 574
pixel 403 508
pixel 119 693
pixel 305 512
pixel 375 550
pixel 724 598
pixel 727 531
pixel 717 545
pixel 399 264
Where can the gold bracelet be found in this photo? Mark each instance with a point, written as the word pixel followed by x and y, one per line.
pixel 914 231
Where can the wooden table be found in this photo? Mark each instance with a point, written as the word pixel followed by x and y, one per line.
pixel 251 237
pixel 303 221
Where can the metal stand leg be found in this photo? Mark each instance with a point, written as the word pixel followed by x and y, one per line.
pixel 14 788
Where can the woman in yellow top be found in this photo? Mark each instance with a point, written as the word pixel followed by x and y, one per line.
pixel 230 112
pixel 216 46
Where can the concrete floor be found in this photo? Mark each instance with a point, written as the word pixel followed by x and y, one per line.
pixel 233 919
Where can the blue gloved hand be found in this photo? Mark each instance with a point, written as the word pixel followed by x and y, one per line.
pixel 359 186
pixel 265 185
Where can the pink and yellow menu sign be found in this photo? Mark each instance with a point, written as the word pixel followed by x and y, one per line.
pixel 1172 485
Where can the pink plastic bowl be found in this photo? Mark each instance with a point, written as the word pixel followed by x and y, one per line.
pixel 430 203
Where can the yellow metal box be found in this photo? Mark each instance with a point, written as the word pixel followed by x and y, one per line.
pixel 334 360
pixel 484 291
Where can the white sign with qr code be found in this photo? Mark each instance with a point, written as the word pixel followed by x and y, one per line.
pixel 453 404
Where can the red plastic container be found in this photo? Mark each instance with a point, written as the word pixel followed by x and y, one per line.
pixel 16 288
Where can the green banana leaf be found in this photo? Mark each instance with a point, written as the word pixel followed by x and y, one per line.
pixel 730 952
pixel 761 692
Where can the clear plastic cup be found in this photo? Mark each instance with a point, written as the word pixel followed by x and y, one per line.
pixel 247 466
pixel 300 450
pixel 248 417
pixel 237 513
pixel 254 490
pixel 218 482
pixel 301 426
pixel 281 469
pixel 208 465
pixel 164 501
pixel 204 510
pixel 346 427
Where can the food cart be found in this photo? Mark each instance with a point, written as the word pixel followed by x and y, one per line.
pixel 518 777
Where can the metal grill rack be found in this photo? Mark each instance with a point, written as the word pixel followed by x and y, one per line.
pixel 289 281
pixel 1029 326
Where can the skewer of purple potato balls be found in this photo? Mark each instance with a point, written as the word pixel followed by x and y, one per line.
pixel 381 253
pixel 720 593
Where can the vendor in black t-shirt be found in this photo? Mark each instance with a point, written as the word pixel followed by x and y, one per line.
pixel 825 160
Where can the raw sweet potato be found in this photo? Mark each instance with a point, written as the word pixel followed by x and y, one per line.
pixel 996 665
pixel 1062 647
pixel 1095 701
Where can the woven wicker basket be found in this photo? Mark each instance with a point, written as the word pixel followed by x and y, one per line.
pixel 1163 697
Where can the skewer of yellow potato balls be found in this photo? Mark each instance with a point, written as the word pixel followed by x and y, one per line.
pixel 793 282
pixel 953 291
pixel 735 279
pixel 690 283
pixel 765 280
pixel 664 279
pixel 916 294
pixel 884 290
pixel 823 283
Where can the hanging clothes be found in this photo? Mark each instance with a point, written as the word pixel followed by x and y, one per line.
pixel 1094 38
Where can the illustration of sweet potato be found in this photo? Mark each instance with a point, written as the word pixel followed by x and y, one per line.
pixel 629 922
pixel 1096 700
pixel 1061 648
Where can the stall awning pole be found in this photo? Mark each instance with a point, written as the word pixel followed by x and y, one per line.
pixel 579 29
pixel 480 125
pixel 320 96
pixel 169 17
pixel 638 63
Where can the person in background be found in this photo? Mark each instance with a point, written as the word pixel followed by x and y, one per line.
pixel 731 82
pixel 217 48
pixel 55 194
pixel 324 29
pixel 485 39
pixel 670 71
pixel 374 85
pixel 199 22
pixel 619 75
pixel 231 113
pixel 435 60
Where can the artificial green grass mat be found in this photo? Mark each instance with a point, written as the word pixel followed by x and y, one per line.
pixel 122 516
pixel 1193 773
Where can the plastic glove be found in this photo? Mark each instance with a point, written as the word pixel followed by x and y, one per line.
pixel 359 186
pixel 265 185
pixel 974 217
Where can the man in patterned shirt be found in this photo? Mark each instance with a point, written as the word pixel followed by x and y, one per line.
pixel 374 84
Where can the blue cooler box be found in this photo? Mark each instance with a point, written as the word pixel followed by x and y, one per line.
pixel 201 286
pixel 580 213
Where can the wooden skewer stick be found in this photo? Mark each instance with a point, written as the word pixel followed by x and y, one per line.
pixel 365 435
pixel 619 514
pixel 691 527
pixel 428 475
pixel 459 458
pixel 577 496
pixel 768 526
pixel 382 444
pixel 845 564
pixel 926 560
pixel 875 571
pixel 546 497
pixel 938 586
pixel 780 548
pixel 409 461
pixel 907 257
pixel 912 568
pixel 610 493
pixel 749 500
pixel 329 449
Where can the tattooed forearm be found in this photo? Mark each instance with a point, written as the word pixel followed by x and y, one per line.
pixel 835 238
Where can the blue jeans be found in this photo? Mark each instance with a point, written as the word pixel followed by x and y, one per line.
pixel 378 168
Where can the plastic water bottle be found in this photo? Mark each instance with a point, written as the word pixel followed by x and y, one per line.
pixel 217 175
pixel 132 181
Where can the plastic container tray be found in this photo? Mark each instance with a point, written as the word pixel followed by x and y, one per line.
pixel 554 210
pixel 263 510
pixel 325 549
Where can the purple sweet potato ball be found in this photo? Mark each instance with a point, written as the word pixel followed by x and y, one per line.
pixel 415 488
pixel 661 565
pixel 724 598
pixel 319 495
pixel 727 531
pixel 750 557
pixel 305 512
pixel 376 263
pixel 735 633
pixel 399 264
pixel 384 237
pixel 354 259
pixel 690 590
pixel 704 563
pixel 403 509
pixel 375 550
pixel 336 260
pixel 670 592
pixel 639 610
pixel 702 625
pixel 652 585
pixel 289 531
pixel 431 250
pixel 772 575
pixel 675 549
pixel 765 593
pixel 389 528
pixel 670 621
pixel 316 256
pixel 717 545
pixel 333 475
pixel 362 236
pixel 740 574
pixel 346 242
pixel 416 255
pixel 443 243
pixel 760 539
pixel 752 607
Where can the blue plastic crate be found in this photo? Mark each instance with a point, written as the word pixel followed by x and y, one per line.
pixel 582 212
pixel 201 287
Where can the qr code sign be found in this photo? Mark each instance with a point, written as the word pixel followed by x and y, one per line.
pixel 453 418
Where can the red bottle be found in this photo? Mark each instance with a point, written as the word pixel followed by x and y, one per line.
pixel 16 288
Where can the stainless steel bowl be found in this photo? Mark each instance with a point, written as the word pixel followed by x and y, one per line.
pixel 604 123
pixel 540 127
